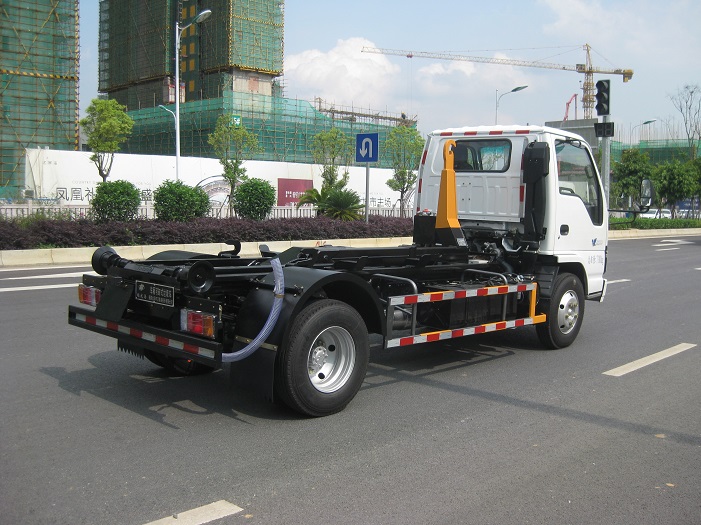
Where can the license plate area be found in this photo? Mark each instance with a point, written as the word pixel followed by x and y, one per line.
pixel 154 293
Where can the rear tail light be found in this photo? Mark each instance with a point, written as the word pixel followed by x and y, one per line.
pixel 89 294
pixel 198 323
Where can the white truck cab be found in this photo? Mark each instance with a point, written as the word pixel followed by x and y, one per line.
pixel 532 191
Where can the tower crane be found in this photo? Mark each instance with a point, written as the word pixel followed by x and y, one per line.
pixel 587 69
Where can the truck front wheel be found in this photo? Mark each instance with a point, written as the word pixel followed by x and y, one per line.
pixel 564 310
pixel 324 364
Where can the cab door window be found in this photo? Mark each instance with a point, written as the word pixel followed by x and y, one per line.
pixel 577 177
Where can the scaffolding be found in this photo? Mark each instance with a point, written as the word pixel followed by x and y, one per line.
pixel 231 64
pixel 136 49
pixel 39 56
pixel 240 48
pixel 284 127
pixel 658 151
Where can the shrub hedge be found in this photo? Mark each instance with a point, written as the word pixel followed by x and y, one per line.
pixel 44 232
pixel 48 233
pixel 175 201
pixel 254 198
pixel 641 223
pixel 115 201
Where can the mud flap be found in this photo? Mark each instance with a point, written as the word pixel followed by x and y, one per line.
pixel 114 299
pixel 256 373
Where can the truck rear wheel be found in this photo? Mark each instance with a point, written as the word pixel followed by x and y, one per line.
pixel 324 364
pixel 564 310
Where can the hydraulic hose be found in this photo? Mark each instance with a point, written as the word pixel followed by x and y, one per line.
pixel 279 291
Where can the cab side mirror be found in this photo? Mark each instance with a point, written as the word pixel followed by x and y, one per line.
pixel 647 197
pixel 647 194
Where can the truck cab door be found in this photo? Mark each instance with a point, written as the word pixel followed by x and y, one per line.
pixel 581 221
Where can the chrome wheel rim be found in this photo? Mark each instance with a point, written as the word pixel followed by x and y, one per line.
pixel 331 359
pixel 568 312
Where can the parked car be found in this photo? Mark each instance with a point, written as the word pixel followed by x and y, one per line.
pixel 664 213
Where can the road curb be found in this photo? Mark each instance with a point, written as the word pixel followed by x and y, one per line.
pixel 62 256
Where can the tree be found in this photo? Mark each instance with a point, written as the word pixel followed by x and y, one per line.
pixel 628 174
pixel 688 102
pixel 107 126
pixel 674 181
pixel 404 146
pixel 696 170
pixel 232 144
pixel 332 149
pixel 254 198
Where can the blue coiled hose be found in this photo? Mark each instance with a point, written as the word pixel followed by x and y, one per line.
pixel 279 291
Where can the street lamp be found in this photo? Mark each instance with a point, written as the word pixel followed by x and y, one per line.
pixel 498 98
pixel 643 124
pixel 177 156
pixel 201 17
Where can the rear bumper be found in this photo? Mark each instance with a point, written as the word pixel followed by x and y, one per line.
pixel 167 342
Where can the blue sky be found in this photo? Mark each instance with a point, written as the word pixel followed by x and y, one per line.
pixel 660 41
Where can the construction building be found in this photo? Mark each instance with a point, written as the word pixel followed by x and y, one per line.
pixel 658 151
pixel 230 64
pixel 39 55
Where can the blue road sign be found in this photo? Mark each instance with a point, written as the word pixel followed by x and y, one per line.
pixel 367 147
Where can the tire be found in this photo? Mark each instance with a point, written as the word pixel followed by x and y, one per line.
pixel 565 312
pixel 323 366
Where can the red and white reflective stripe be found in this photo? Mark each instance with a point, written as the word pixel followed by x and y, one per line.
pixel 430 297
pixel 485 133
pixel 442 335
pixel 140 334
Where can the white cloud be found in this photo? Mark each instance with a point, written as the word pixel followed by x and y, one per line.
pixel 343 75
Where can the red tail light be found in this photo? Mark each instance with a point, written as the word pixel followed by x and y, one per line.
pixel 89 294
pixel 198 323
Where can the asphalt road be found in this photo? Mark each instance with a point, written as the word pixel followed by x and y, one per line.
pixel 484 430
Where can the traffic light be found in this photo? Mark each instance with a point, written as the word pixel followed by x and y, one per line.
pixel 603 97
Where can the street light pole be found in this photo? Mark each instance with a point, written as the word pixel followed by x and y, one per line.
pixel 643 124
pixel 498 98
pixel 176 143
pixel 201 17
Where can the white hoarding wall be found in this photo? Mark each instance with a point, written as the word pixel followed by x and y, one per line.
pixel 70 177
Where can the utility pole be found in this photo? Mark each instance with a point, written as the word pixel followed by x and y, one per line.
pixel 606 160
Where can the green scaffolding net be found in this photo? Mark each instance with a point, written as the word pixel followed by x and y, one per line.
pixel 38 82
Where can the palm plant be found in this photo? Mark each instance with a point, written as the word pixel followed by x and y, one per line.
pixel 342 204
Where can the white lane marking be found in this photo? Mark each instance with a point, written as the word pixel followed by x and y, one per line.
pixel 47 287
pixel 37 268
pixel 640 363
pixel 47 276
pixel 618 281
pixel 205 514
pixel 672 241
pixel 666 249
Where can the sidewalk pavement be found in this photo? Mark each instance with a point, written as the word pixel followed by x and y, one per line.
pixel 81 256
